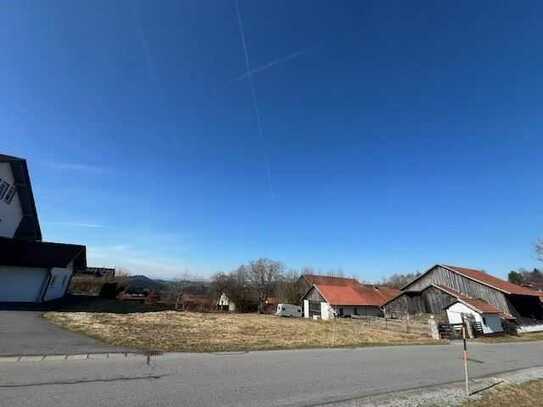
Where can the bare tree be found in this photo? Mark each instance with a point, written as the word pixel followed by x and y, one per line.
pixel 175 291
pixel 263 275
pixel 288 288
pixel 398 280
pixel 237 288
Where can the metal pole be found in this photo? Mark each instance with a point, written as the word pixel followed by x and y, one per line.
pixel 466 372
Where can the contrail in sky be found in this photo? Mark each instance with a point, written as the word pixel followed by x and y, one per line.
pixel 253 91
pixel 272 63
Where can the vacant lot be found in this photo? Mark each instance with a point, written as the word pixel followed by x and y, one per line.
pixel 518 395
pixel 196 332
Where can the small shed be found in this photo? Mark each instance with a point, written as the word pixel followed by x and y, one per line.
pixel 225 304
pixel 482 312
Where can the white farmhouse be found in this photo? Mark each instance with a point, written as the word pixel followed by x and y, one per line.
pixel 30 270
pixel 225 304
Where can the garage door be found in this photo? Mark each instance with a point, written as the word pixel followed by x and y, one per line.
pixel 21 284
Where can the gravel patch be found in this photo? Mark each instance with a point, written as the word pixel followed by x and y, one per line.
pixel 448 395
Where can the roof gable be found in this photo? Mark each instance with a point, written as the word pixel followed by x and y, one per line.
pixel 29 227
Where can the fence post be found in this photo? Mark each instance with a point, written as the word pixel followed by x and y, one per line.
pixel 434 330
pixel 407 324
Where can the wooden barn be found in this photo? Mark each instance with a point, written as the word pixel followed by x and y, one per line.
pixel 441 286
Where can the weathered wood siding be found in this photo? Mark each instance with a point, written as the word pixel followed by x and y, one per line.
pixel 407 303
pixel 429 301
pixel 397 306
pixel 441 276
pixel 313 295
pixel 436 300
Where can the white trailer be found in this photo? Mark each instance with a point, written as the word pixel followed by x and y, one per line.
pixel 289 310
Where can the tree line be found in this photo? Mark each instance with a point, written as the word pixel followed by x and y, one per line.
pixel 526 277
pixel 251 285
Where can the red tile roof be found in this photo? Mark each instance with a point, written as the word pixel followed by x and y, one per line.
pixel 316 279
pixel 494 282
pixel 351 292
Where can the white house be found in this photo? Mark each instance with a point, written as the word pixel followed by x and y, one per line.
pixel 30 270
pixel 226 304
pixel 488 316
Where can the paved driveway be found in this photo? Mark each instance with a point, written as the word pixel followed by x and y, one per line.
pixel 27 333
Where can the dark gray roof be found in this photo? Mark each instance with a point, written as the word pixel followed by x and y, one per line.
pixel 29 228
pixel 27 253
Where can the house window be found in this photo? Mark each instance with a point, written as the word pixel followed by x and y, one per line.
pixel 10 194
pixel 484 320
pixel 4 186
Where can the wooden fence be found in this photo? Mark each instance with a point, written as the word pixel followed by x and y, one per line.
pixel 414 326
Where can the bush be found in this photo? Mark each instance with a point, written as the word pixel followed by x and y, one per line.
pixel 109 290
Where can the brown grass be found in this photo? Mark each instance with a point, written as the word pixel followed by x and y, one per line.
pixel 528 394
pixel 196 332
pixel 527 337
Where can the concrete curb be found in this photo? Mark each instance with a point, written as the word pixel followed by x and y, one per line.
pixel 68 357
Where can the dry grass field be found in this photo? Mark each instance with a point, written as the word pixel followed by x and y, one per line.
pixel 197 332
pixel 527 337
pixel 528 394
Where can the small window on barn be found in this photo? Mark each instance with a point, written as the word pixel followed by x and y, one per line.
pixel 9 196
pixel 4 186
pixel 484 320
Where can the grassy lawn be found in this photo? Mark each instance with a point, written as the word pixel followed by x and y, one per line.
pixel 196 332
pixel 518 395
pixel 527 337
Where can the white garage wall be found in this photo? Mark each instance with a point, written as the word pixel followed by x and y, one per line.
pixel 21 284
pixel 60 278
pixel 327 312
pixel 490 323
pixel 10 215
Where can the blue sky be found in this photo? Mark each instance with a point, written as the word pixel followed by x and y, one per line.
pixel 395 135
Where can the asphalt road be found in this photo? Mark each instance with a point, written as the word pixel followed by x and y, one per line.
pixel 27 333
pixel 275 378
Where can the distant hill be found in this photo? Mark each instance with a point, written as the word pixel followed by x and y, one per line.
pixel 141 282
